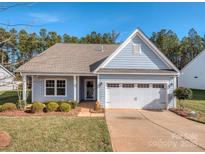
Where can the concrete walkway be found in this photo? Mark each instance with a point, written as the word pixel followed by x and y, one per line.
pixel 85 110
pixel 139 130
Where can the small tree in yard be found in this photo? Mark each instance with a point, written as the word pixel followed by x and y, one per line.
pixel 182 94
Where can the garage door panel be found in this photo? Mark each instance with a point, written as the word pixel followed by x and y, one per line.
pixel 138 98
pixel 119 98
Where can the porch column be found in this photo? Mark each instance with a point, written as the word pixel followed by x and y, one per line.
pixel 98 88
pixel 74 88
pixel 24 87
pixel 78 89
pixel 175 86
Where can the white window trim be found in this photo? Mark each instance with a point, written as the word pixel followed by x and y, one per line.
pixel 55 87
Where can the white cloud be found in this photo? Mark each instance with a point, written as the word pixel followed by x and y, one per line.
pixel 44 18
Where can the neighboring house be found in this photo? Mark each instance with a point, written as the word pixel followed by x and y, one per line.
pixel 134 74
pixel 193 74
pixel 6 79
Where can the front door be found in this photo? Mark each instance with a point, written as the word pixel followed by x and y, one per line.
pixel 89 89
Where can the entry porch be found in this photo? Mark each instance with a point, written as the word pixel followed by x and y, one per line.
pixel 53 87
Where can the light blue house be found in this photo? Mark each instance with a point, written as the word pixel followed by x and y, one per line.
pixel 134 74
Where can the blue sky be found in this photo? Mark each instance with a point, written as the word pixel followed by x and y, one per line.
pixel 79 19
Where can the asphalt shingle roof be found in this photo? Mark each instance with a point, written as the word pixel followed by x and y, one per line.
pixel 77 59
pixel 68 58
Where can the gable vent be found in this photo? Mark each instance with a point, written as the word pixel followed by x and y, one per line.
pixel 136 48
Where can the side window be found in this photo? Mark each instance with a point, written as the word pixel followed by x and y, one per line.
pixel 55 87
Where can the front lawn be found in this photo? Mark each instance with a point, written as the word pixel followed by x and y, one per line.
pixel 197 103
pixel 56 133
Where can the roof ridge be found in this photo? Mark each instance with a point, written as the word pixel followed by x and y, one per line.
pixel 86 44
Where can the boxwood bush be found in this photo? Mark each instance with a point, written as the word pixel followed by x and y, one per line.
pixel 8 107
pixel 52 106
pixel 73 104
pixel 64 107
pixel 37 107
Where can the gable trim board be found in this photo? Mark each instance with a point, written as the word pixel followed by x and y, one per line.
pixel 138 33
pixel 192 61
pixel 6 79
pixel 58 74
pixel 191 76
pixel 7 70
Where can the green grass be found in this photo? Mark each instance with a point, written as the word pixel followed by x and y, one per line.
pixel 60 133
pixel 198 94
pixel 194 105
pixel 197 103
pixel 11 96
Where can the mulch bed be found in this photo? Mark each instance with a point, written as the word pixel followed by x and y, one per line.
pixel 73 112
pixel 5 139
pixel 181 112
pixel 187 114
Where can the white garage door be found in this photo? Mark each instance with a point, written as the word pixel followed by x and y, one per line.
pixel 137 96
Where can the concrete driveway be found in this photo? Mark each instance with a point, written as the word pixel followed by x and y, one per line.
pixel 141 130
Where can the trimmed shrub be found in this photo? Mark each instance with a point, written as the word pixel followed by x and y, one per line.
pixel 61 102
pixel 8 107
pixel 52 106
pixel 73 104
pixel 65 107
pixel 37 107
pixel 181 94
pixel 49 101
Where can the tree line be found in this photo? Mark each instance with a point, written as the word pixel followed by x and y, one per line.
pixel 180 52
pixel 17 47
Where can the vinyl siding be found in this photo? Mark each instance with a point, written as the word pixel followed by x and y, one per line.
pixel 103 79
pixel 38 89
pixel 147 59
pixel 193 75
pixel 6 80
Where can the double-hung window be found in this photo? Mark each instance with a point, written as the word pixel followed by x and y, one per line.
pixel 60 87
pixel 50 87
pixel 55 87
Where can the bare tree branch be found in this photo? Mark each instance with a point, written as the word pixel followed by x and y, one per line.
pixel 6 40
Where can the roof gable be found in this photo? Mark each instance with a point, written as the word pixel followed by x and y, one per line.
pixel 198 61
pixel 150 58
pixel 6 71
pixel 145 59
